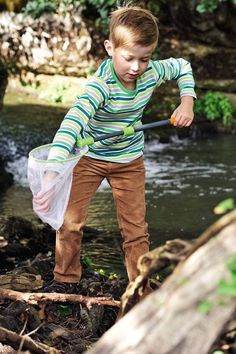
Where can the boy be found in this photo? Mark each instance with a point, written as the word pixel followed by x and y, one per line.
pixel 113 99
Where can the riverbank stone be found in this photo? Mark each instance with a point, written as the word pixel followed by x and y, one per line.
pixel 6 178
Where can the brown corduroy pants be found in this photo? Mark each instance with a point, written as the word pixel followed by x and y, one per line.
pixel 128 187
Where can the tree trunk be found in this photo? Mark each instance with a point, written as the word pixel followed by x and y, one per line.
pixel 188 313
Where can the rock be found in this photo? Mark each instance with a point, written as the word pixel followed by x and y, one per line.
pixel 215 28
pixel 6 179
pixel 225 85
pixel 208 62
pixel 54 43
pixel 3 84
pixel 16 227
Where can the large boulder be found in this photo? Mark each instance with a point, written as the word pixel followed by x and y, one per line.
pixel 215 28
pixel 54 43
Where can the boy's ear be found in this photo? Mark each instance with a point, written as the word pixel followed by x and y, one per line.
pixel 109 47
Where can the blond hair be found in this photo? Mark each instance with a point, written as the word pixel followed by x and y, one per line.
pixel 133 25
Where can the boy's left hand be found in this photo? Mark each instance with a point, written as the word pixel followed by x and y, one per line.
pixel 183 114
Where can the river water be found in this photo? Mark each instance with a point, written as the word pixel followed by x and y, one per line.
pixel 185 180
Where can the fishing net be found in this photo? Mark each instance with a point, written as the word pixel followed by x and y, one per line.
pixel 50 183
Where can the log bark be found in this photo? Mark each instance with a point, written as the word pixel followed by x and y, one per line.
pixel 36 298
pixel 170 320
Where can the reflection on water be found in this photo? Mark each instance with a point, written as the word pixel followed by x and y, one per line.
pixel 185 180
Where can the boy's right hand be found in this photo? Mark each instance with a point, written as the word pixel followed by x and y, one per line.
pixel 43 199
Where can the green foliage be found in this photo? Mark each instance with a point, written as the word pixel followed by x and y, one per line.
pixel 99 8
pixel 205 307
pixel 228 288
pixel 113 276
pixel 215 106
pixel 96 10
pixel 63 310
pixel 224 289
pixel 36 8
pixel 55 93
pixel 155 6
pixel 102 272
pixel 224 206
pixel 89 71
pixel 211 5
pixel 87 261
pixel 102 9
pixel 107 276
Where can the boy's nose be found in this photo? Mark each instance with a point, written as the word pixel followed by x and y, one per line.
pixel 135 66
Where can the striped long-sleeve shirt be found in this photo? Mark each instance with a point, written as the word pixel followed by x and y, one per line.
pixel 106 106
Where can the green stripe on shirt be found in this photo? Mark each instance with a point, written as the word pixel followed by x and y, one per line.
pixel 107 106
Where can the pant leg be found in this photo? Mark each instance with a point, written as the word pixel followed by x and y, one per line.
pixel 87 177
pixel 128 186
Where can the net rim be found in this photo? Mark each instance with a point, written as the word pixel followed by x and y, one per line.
pixel 76 157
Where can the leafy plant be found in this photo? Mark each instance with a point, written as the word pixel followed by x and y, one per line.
pixel 228 288
pixel 215 106
pixel 88 262
pixel 224 206
pixel 101 9
pixel 204 307
pixel 210 5
pixel 36 8
pixel 55 93
pixel 225 288
pixel 63 310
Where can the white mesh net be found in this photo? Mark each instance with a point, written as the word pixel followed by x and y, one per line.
pixel 50 182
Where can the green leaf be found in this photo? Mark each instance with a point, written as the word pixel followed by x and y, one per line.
pixel 88 262
pixel 231 265
pixel 215 106
pixel 63 310
pixel 226 289
pixel 113 276
pixel 101 272
pixel 204 307
pixel 224 206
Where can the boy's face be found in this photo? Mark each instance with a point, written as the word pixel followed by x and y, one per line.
pixel 129 62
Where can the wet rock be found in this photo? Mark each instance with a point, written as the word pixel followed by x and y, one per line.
pixel 6 178
pixel 14 309
pixel 9 322
pixel 14 227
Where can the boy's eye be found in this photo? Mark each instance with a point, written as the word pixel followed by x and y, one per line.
pixel 142 60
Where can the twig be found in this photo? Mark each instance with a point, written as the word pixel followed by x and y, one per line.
pixel 27 335
pixel 35 298
pixel 23 329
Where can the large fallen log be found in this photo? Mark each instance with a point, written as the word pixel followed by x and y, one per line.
pixel 190 310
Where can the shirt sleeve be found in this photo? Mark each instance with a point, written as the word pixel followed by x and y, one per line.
pixel 95 95
pixel 176 69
